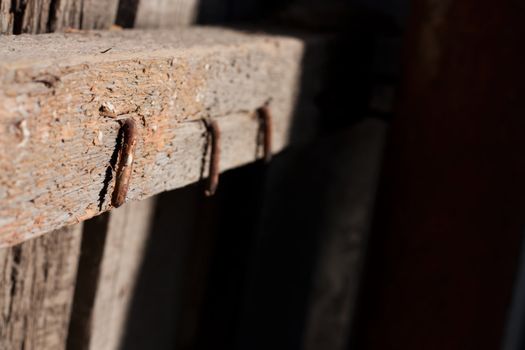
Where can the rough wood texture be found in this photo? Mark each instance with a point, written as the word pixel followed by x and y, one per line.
pixel 6 20
pixel 59 95
pixel 166 13
pixel 37 281
pixel 42 16
pixel 42 271
pixel 106 283
pixel 113 301
pixel 24 16
pixel 31 16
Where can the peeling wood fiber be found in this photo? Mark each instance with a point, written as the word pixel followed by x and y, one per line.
pixel 61 99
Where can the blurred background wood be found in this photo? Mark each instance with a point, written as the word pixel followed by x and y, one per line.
pixel 106 281
pixel 44 16
pixel 236 270
pixel 449 223
pixel 351 173
pixel 37 282
pixel 166 13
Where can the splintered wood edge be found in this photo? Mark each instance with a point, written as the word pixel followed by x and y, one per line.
pixel 63 97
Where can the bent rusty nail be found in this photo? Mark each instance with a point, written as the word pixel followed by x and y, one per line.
pixel 213 176
pixel 125 166
pixel 265 117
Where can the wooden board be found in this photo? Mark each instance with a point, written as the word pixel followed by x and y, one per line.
pixel 166 13
pixel 112 253
pixel 169 278
pixel 37 282
pixel 6 20
pixel 24 16
pixel 43 16
pixel 58 136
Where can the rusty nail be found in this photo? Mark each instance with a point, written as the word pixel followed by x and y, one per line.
pixel 213 176
pixel 265 117
pixel 125 165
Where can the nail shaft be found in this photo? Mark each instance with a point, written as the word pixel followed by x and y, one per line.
pixel 213 177
pixel 265 116
pixel 125 166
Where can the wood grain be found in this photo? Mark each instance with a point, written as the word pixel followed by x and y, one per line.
pixel 57 142
pixel 35 16
pixel 43 16
pixel 20 16
pixel 38 276
pixel 37 282
pixel 6 19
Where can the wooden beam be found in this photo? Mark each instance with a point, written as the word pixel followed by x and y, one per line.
pixel 37 282
pixel 61 96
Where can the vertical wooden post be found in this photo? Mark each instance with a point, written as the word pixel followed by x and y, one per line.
pixel 37 280
pixel 112 252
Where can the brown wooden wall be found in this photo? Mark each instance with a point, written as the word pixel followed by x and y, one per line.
pixel 176 270
pixel 39 279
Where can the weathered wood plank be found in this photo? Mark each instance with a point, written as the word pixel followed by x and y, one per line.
pixel 58 94
pixel 33 16
pixel 42 16
pixel 39 313
pixel 23 16
pixel 6 19
pixel 68 14
pixel 107 280
pixel 173 248
pixel 37 281
pixel 166 13
pixel 98 14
